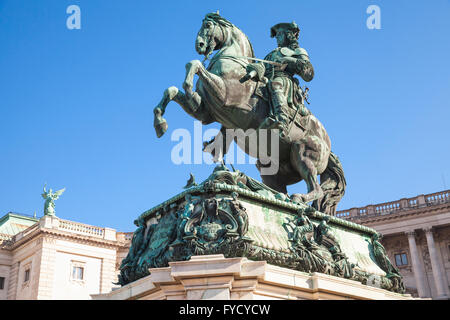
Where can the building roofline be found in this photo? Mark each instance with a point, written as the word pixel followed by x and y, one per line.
pixel 18 215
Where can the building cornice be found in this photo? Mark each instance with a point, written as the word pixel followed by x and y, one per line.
pixel 36 230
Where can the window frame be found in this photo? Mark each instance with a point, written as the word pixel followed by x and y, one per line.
pixel 402 256
pixel 77 273
pixel 73 276
pixel 26 275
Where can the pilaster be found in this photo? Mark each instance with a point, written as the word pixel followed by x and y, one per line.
pixel 108 274
pixel 47 268
pixel 12 283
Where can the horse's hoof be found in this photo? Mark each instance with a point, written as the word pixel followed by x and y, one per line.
pixel 160 125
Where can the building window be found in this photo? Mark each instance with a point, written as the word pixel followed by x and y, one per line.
pixel 27 275
pixel 401 259
pixel 77 273
pixel 2 283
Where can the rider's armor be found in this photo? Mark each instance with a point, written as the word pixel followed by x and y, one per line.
pixel 284 88
pixel 285 93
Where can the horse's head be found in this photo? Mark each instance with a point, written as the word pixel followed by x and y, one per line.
pixel 211 35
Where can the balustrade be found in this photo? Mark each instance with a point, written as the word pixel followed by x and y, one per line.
pixel 438 197
pixel 395 206
pixel 81 228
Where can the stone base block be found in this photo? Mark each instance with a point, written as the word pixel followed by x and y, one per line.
pixel 214 277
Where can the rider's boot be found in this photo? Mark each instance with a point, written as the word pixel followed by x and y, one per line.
pixel 277 119
pixel 279 104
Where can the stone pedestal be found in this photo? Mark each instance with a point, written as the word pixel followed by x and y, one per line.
pixel 213 277
pixel 232 215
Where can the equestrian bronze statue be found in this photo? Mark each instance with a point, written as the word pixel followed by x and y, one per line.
pixel 242 92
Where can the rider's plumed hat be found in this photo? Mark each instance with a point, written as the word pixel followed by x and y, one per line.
pixel 285 25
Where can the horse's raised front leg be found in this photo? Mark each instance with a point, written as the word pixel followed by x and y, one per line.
pixel 193 106
pixel 210 82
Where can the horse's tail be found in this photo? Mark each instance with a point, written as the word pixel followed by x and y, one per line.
pixel 332 182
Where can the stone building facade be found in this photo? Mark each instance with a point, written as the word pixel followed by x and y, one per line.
pixel 416 235
pixel 52 258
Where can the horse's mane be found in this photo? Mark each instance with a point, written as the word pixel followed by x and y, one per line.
pixel 227 24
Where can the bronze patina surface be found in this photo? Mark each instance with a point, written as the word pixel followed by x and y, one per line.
pixel 232 214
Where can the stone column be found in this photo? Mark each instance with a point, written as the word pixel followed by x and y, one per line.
pixel 419 274
pixel 441 262
pixel 437 272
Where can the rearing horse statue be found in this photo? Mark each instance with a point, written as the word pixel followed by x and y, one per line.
pixel 221 96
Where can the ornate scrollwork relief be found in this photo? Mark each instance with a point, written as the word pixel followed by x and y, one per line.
pixel 195 227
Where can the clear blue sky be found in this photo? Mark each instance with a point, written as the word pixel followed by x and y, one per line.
pixel 76 105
